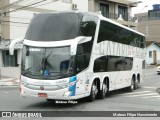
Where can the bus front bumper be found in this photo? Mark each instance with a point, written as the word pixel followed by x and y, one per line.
pixel 62 94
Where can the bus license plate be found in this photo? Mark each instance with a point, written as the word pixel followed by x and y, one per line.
pixel 42 95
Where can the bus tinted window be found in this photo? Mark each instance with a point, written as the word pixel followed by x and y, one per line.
pixel 113 63
pixel 53 27
pixel 88 25
pixel 88 28
pixel 100 64
pixel 61 26
pixel 111 32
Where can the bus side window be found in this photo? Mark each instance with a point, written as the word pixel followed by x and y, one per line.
pixel 100 64
pixel 88 26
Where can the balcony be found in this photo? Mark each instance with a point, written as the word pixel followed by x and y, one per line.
pixel 122 19
pixel 117 16
pixel 132 3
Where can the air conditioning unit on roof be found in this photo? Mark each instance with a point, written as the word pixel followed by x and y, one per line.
pixel 74 6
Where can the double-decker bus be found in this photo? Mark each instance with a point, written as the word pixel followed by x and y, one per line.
pixel 72 55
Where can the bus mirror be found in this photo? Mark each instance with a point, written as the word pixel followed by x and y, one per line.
pixel 11 46
pixel 84 40
pixel 64 66
pixel 76 41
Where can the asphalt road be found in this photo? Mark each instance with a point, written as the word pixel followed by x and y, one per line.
pixel 145 98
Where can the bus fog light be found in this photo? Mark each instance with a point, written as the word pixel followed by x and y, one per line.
pixel 67 93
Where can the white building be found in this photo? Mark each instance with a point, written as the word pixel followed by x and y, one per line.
pixel 152 52
pixel 117 10
pixel 14 19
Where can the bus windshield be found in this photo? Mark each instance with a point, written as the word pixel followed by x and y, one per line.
pixel 46 63
pixel 53 63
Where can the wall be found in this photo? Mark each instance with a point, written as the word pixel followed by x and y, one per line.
pixel 11 72
pixel 18 20
pixel 5 34
pixel 21 18
pixel 150 29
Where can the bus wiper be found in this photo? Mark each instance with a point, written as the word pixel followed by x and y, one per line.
pixel 45 62
pixel 66 74
pixel 27 70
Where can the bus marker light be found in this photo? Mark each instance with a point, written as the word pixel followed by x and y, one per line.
pixel 67 93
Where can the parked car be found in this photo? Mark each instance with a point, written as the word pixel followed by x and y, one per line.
pixel 158 69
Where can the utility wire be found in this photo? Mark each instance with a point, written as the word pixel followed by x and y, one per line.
pixel 42 4
pixel 16 2
pixel 34 6
pixel 24 7
pixel 16 22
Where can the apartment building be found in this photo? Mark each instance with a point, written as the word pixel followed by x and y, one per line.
pixel 117 10
pixel 149 24
pixel 15 16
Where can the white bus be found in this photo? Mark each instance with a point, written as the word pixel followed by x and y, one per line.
pixel 72 55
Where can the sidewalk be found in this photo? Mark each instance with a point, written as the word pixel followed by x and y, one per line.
pixel 8 81
pixel 151 66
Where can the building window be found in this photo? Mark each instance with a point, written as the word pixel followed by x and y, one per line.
pixel 104 8
pixel 122 10
pixel 9 60
pixel 154 14
pixel 150 54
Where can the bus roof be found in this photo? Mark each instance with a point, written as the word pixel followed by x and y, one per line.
pixel 99 15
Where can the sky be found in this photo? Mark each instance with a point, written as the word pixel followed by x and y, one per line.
pixel 141 6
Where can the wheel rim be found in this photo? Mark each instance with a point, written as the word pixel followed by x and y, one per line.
pixel 93 91
pixel 104 88
pixel 132 85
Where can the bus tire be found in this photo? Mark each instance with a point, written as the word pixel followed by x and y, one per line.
pixel 103 92
pixel 92 96
pixel 133 85
pixel 138 81
pixel 50 100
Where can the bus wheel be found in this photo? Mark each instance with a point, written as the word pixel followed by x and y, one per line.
pixel 102 93
pixel 93 93
pixel 133 86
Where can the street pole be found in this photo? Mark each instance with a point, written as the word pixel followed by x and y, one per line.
pixel 1 20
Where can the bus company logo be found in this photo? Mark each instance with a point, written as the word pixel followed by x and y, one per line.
pixel 41 83
pixel 41 88
pixel 6 114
